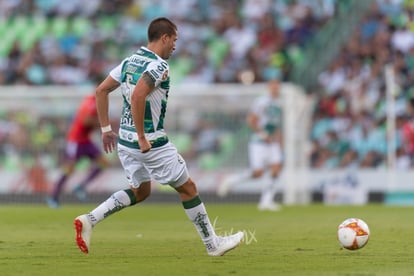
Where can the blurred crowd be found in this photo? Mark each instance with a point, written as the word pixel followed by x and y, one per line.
pixel 24 137
pixel 350 127
pixel 48 42
pixel 75 42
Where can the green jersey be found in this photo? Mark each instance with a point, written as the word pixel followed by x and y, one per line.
pixel 128 73
pixel 269 114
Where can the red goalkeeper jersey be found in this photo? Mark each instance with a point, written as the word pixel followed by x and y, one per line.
pixel 80 131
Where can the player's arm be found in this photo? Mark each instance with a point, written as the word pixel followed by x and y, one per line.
pixel 102 106
pixel 252 121
pixel 278 137
pixel 102 99
pixel 142 89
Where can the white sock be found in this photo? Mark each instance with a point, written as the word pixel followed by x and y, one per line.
pixel 241 177
pixel 197 213
pixel 232 180
pixel 269 191
pixel 116 202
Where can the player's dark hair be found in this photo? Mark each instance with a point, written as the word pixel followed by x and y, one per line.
pixel 159 27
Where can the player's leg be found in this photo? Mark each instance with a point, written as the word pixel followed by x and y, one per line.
pixel 254 172
pixel 272 185
pixel 71 157
pixel 174 173
pixel 99 162
pixel 260 155
pixel 231 180
pixel 275 170
pixel 196 212
pixel 269 190
pixel 115 203
pixel 140 189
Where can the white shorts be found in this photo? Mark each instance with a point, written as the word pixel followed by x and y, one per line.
pixel 163 164
pixel 262 155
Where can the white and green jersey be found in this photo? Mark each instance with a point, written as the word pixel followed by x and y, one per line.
pixel 128 73
pixel 269 113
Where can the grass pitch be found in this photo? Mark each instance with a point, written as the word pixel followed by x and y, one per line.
pixel 158 239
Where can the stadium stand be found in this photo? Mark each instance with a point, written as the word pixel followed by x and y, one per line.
pixel 350 118
pixel 48 42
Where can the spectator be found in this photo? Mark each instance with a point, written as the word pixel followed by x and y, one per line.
pixel 71 32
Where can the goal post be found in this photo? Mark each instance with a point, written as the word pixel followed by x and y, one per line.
pixel 297 110
pixel 391 90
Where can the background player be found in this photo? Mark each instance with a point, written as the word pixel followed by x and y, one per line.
pixel 265 154
pixel 79 145
pixel 143 146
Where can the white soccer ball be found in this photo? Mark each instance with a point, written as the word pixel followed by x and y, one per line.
pixel 353 233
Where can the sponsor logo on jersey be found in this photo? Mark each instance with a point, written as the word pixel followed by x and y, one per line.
pixel 165 76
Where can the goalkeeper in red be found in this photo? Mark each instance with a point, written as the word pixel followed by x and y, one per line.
pixel 79 145
pixel 143 146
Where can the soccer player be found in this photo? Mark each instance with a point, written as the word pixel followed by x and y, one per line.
pixel 265 154
pixel 143 146
pixel 79 145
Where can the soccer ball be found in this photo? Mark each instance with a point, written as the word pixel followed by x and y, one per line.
pixel 353 233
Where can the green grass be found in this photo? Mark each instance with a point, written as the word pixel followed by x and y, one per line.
pixel 157 239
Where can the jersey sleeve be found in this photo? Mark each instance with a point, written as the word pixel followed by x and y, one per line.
pixel 158 70
pixel 116 73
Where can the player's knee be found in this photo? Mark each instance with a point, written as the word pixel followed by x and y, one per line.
pixel 188 190
pixel 275 169
pixel 142 193
pixel 257 174
pixel 142 196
